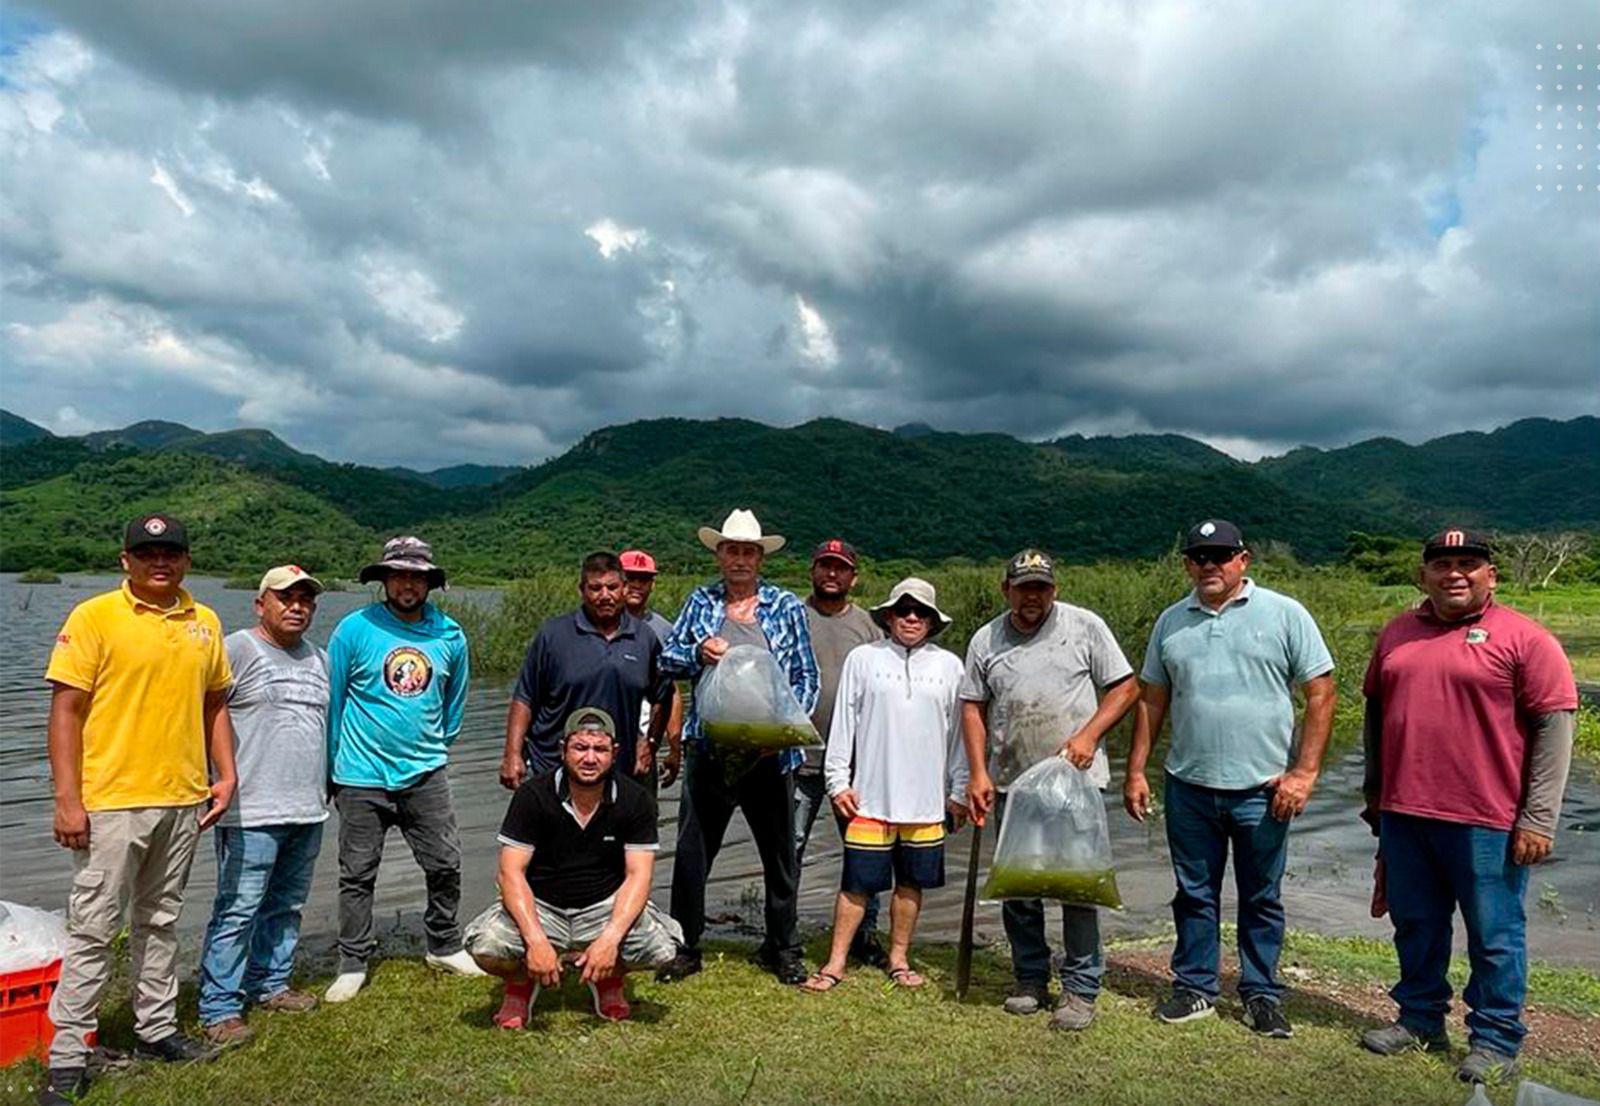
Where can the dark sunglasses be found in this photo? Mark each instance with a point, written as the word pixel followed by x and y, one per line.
pixel 911 610
pixel 1212 556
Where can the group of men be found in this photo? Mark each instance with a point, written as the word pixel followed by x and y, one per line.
pixel 160 728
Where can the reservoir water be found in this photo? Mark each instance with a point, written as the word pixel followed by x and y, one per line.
pixel 1326 890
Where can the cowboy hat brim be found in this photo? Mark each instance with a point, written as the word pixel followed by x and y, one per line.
pixel 711 537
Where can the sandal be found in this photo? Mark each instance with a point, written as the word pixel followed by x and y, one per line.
pixel 821 982
pixel 906 977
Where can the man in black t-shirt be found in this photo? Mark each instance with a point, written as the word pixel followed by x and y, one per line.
pixel 577 849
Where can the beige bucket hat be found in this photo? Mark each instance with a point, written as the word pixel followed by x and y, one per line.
pixel 741 525
pixel 914 587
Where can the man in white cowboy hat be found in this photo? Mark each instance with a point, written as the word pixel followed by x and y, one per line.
pixel 739 609
pixel 894 767
pixel 398 674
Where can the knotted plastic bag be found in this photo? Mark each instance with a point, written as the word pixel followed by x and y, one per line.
pixel 30 938
pixel 1053 840
pixel 746 704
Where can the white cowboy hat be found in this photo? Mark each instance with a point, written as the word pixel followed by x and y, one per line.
pixel 922 593
pixel 741 525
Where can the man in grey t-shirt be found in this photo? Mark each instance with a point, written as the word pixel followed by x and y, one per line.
pixel 1043 679
pixel 837 626
pixel 268 840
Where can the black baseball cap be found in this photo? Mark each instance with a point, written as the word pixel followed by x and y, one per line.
pixel 838 549
pixel 1213 533
pixel 155 529
pixel 1458 540
pixel 1031 566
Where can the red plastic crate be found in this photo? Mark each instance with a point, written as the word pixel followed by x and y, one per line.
pixel 25 1028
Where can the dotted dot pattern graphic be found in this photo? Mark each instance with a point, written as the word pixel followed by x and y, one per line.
pixel 1565 107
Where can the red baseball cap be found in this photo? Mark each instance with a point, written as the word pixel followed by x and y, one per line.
pixel 637 560
pixel 836 548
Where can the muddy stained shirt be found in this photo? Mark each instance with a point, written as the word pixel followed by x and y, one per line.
pixel 1041 687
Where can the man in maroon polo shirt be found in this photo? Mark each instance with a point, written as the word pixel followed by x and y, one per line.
pixel 1469 726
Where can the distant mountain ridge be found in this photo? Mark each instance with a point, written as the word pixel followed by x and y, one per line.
pixel 909 493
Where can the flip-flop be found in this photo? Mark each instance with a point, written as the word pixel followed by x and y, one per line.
pixel 821 982
pixel 906 977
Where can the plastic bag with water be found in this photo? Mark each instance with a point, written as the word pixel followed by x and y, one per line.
pixel 1053 840
pixel 30 938
pixel 746 704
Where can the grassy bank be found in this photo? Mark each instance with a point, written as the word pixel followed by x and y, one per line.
pixel 733 1035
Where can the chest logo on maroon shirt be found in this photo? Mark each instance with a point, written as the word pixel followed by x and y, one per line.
pixel 407 671
pixel 1477 635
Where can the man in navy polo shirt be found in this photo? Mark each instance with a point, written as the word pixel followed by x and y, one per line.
pixel 598 655
pixel 577 850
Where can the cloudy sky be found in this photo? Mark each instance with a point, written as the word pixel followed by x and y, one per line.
pixel 426 232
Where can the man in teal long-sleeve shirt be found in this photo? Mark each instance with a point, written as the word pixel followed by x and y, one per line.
pixel 398 672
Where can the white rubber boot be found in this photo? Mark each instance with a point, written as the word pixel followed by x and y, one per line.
pixel 457 963
pixel 345 986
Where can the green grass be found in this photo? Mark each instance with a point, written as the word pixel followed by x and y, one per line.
pixel 38 576
pixel 733 1035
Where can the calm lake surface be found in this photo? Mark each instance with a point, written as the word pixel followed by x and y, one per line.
pixel 1326 889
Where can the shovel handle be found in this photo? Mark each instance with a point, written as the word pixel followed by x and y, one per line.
pixel 968 906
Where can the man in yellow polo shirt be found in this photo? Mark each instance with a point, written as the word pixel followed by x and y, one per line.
pixel 138 676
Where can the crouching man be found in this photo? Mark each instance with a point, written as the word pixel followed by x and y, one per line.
pixel 578 847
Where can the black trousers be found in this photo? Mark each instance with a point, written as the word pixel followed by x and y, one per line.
pixel 711 793
pixel 427 820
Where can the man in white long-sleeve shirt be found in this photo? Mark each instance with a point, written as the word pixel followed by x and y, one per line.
pixel 893 768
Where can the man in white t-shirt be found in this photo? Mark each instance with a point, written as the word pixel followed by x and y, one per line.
pixel 268 840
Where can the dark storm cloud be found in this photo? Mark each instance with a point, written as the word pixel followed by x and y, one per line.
pixel 501 226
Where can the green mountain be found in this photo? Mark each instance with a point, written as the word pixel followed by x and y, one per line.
pixel 16 430
pixel 926 495
pixel 1535 474
pixel 458 476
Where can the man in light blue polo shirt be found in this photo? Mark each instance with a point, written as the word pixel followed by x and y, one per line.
pixel 1225 660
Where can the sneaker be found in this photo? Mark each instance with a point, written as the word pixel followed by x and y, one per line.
pixel 1072 1012
pixel 175 1049
pixel 1485 1065
pixel 788 967
pixel 1391 1040
pixel 63 1086
pixel 865 948
pixel 289 1002
pixel 682 966
pixel 228 1031
pixel 459 962
pixel 1027 998
pixel 1184 1006
pixel 344 987
pixel 610 1002
pixel 1266 1017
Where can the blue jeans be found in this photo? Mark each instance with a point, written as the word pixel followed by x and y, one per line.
pixel 1082 960
pixel 1433 867
pixel 1202 822
pixel 263 876
pixel 810 798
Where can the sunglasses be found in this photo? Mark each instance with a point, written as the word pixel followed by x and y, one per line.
pixel 1212 556
pixel 908 610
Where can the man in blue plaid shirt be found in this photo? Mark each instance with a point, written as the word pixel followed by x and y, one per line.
pixel 739 609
